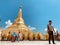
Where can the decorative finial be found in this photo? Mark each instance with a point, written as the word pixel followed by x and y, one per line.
pixel 20 6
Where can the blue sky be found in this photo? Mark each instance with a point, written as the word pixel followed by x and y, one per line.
pixel 36 13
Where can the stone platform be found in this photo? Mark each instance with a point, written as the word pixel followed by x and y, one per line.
pixel 28 43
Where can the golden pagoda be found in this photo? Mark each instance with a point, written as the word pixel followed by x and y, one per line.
pixel 18 26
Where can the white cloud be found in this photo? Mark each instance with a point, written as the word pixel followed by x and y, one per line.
pixel 31 28
pixel 54 29
pixel 8 23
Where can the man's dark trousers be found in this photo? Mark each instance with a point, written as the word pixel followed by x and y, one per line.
pixel 51 35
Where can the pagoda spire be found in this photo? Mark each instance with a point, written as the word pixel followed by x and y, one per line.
pixel 19 20
pixel 20 11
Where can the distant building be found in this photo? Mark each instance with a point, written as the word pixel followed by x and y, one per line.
pixel 0 33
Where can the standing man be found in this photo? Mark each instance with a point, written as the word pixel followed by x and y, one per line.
pixel 50 30
pixel 19 36
pixel 14 37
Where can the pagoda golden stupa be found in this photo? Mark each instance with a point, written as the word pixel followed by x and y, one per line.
pixel 18 26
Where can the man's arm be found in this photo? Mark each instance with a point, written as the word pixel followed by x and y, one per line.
pixel 53 29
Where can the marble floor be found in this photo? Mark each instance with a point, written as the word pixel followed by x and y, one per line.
pixel 28 43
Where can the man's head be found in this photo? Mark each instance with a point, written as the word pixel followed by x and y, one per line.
pixel 14 32
pixel 9 32
pixel 19 32
pixel 50 22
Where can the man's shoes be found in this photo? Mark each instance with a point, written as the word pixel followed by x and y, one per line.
pixel 53 43
pixel 49 43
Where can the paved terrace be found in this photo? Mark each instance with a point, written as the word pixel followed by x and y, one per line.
pixel 28 43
